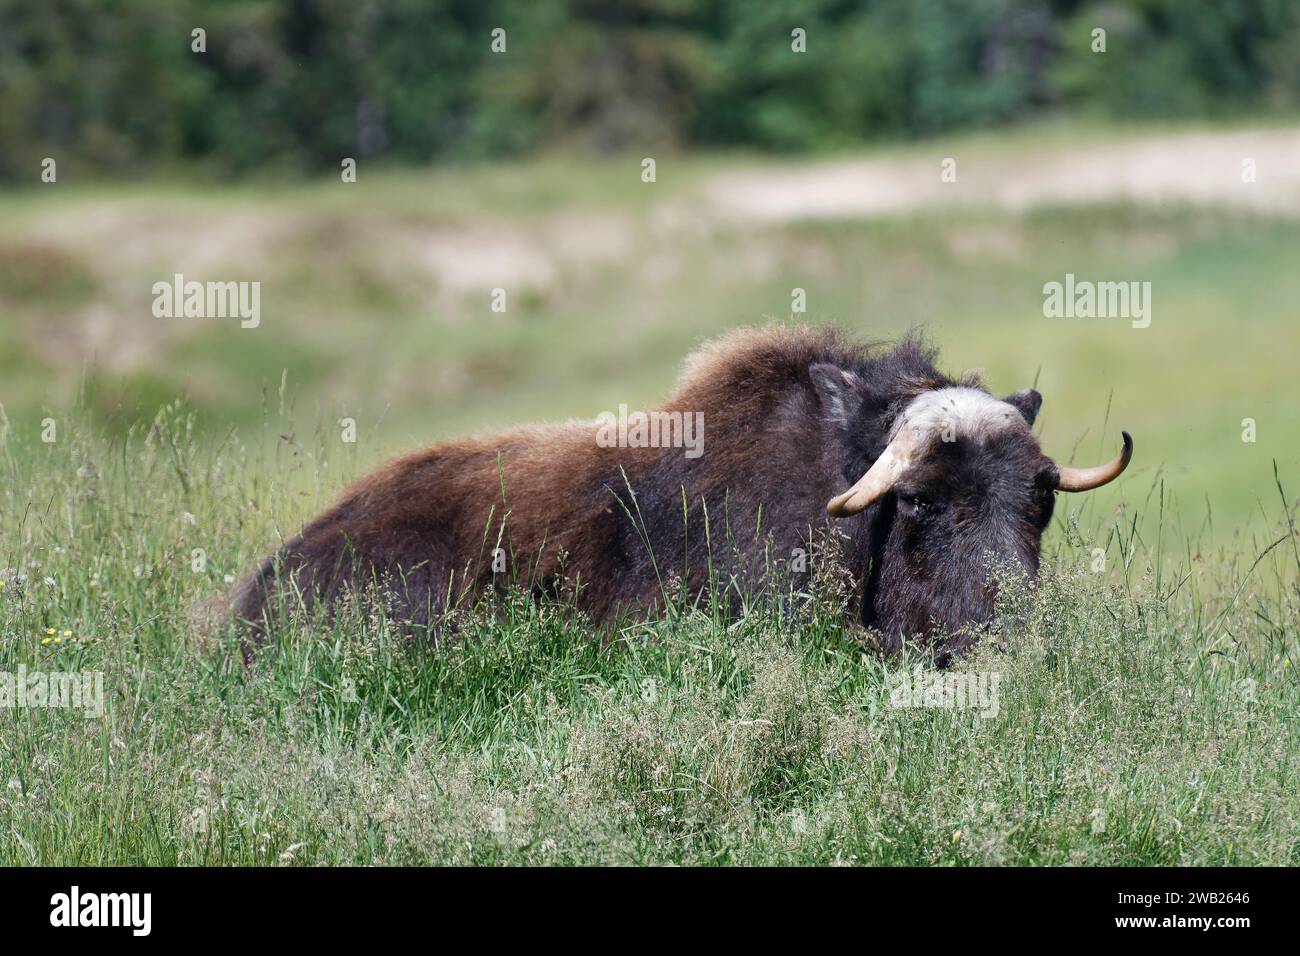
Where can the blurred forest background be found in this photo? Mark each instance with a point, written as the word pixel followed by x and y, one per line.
pixel 776 170
pixel 300 82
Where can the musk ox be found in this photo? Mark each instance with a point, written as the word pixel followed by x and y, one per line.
pixel 932 481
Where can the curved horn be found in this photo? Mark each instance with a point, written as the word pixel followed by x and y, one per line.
pixel 1085 479
pixel 879 478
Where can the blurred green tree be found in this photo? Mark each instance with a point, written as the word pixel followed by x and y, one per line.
pixel 114 87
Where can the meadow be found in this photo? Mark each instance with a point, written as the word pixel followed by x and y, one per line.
pixel 1148 693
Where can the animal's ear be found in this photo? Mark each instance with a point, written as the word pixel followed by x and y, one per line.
pixel 841 392
pixel 1027 402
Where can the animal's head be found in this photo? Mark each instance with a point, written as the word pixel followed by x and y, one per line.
pixel 960 488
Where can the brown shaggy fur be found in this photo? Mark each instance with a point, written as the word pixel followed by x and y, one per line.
pixel 615 521
pixel 792 416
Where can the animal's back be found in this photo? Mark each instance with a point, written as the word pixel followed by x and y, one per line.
pixel 426 527
pixel 547 505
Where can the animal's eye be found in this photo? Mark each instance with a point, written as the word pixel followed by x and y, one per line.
pixel 912 504
pixel 1046 505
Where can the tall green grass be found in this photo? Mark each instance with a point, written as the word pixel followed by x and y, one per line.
pixel 1147 710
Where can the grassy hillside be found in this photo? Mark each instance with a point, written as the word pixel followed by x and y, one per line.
pixel 1147 701
pixel 1143 714
pixel 376 296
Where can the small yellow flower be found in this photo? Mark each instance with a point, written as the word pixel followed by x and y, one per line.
pixel 49 630
pixel 46 640
pixel 67 633
pixel 956 835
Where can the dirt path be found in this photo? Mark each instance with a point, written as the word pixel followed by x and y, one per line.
pixel 133 242
pixel 1197 168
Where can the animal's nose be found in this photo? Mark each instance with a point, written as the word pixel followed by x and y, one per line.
pixel 1010 622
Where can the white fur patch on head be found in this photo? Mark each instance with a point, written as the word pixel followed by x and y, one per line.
pixel 949 414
